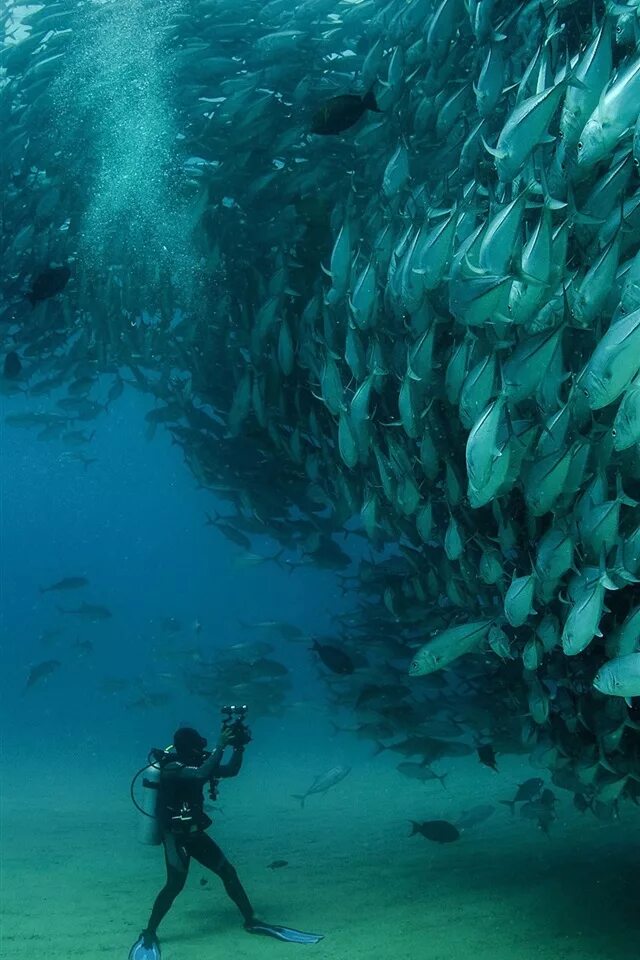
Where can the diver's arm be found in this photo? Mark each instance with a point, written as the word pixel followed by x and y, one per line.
pixel 232 768
pixel 206 771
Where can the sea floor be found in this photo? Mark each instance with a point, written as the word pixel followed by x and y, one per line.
pixel 76 883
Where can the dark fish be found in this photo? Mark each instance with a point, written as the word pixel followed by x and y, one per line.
pixel 84 646
pixel 148 700
pixel 381 694
pixel 48 637
pixel 265 669
pixel 541 810
pixel 40 671
pixel 471 818
pixel 12 366
pixel 487 756
pixel 250 651
pixel 286 630
pixel 581 802
pixel 375 730
pixel 89 611
pixel 47 284
pixel 420 771
pixel 289 631
pixel 67 583
pixel 326 553
pixel 323 782
pixel 277 864
pixel 342 112
pixel 430 748
pixel 529 790
pixel 439 831
pixel 228 531
pixel 333 658
pixel 410 747
pixel 79 456
pixel 607 812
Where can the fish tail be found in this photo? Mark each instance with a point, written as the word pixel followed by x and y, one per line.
pixel 509 803
pixel 414 828
pixel 369 101
pixel 299 796
pixel 379 748
pixel 442 780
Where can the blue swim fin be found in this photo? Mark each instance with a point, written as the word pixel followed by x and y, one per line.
pixel 145 948
pixel 283 933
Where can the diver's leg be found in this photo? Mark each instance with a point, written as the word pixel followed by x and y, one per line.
pixel 207 852
pixel 177 861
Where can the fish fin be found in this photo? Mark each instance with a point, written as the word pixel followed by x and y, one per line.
pixel 476 271
pixel 621 495
pixel 498 154
pixel 572 81
pixel 552 204
pixel 530 279
pixel 509 803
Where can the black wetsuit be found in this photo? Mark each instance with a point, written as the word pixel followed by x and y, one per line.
pixel 180 783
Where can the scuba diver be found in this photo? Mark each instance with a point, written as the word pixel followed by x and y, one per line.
pixel 176 781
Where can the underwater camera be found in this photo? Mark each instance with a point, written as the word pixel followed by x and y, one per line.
pixel 233 717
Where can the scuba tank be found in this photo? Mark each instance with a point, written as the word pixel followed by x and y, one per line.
pixel 149 831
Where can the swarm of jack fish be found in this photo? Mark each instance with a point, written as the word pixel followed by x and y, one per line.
pixel 429 322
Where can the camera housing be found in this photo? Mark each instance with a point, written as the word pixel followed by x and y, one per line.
pixel 233 716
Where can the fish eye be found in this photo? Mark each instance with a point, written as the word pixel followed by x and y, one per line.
pixel 586 393
pixel 614 432
pixel 580 144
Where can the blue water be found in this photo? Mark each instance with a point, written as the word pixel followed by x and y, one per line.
pixel 133 523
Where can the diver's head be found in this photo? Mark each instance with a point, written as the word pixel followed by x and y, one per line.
pixel 189 745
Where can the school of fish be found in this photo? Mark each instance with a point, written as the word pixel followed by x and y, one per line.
pixel 379 265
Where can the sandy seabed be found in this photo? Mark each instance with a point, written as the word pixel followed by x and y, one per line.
pixel 76 883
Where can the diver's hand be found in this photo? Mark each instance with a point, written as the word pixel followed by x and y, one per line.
pixel 225 738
